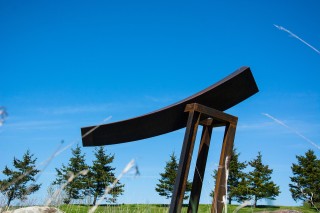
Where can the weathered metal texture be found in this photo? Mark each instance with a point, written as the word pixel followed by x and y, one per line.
pixel 184 162
pixel 221 96
pixel 200 167
pixel 225 156
pixel 208 118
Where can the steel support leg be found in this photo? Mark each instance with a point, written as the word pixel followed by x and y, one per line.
pixel 221 182
pixel 207 115
pixel 200 169
pixel 184 163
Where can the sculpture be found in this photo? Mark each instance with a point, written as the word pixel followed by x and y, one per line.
pixel 204 108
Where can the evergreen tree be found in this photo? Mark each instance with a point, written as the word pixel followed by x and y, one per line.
pixel 102 175
pixel 237 179
pixel 237 185
pixel 214 176
pixel 21 180
pixel 306 179
pixel 260 183
pixel 78 187
pixel 168 178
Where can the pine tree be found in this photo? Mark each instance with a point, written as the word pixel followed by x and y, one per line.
pixel 237 179
pixel 260 183
pixel 102 175
pixel 168 178
pixel 214 176
pixel 21 180
pixel 306 179
pixel 78 187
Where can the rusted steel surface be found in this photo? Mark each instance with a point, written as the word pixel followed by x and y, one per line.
pixel 221 96
pixel 207 117
pixel 200 168
pixel 184 162
pixel 225 156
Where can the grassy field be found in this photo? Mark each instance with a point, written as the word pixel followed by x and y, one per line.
pixel 154 208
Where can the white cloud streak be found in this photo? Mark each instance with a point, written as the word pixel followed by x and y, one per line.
pixel 77 109
pixel 297 37
pixel 35 124
pixel 292 130
pixel 253 126
pixel 157 100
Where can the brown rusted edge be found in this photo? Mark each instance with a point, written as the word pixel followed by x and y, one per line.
pixel 208 117
pixel 220 96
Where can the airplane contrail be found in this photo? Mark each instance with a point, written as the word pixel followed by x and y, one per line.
pixel 292 130
pixel 297 37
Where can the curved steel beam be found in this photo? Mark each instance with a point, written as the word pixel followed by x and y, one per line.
pixel 221 96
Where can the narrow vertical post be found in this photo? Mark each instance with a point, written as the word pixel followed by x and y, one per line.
pixel 220 188
pixel 200 167
pixel 184 163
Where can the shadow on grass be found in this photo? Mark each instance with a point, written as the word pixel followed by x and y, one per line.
pixel 267 207
pixel 91 205
pixel 162 205
pixel 168 205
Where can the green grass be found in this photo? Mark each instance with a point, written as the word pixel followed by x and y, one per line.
pixel 154 208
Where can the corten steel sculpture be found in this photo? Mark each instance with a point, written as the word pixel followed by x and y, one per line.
pixel 204 108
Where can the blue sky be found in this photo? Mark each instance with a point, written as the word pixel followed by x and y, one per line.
pixel 65 65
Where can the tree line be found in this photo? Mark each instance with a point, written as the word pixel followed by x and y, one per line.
pixel 97 177
pixel 256 184
pixel 81 180
pixel 77 178
pixel 253 185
